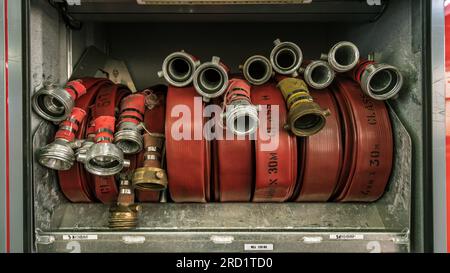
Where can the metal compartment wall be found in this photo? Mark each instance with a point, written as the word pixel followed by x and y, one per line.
pixel 386 225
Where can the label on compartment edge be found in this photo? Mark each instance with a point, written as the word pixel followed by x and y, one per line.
pixel 258 247
pixel 346 236
pixel 80 237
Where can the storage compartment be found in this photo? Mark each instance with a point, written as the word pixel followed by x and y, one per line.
pixel 143 37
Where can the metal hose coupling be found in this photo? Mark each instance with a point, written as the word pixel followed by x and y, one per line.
pixel 124 215
pixel 128 136
pixel 305 117
pixel 378 80
pixel 342 57
pixel 318 74
pixel 59 155
pixel 178 68
pixel 286 58
pixel 151 176
pixel 103 158
pixel 211 79
pixel 54 103
pixel 241 116
pixel 257 70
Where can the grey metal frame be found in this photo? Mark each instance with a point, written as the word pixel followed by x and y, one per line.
pixel 15 130
pixel 438 125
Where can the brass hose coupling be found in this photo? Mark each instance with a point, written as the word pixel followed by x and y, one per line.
pixel 151 176
pixel 305 117
pixel 124 215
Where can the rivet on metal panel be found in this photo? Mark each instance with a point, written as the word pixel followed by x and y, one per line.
pixel 44 239
pixel 218 239
pixel 312 240
pixel 133 239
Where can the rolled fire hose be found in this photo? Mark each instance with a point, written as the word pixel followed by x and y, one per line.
pixel 73 182
pixel 128 136
pixel 317 74
pixel 286 58
pixel 342 57
pixel 55 104
pixel 320 155
pixel 257 70
pixel 377 80
pixel 368 145
pixel 233 181
pixel 275 165
pixel 211 79
pixel 178 68
pixel 305 117
pixel 150 177
pixel 104 159
pixel 188 160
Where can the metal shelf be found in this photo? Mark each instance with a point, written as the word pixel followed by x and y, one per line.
pixel 317 10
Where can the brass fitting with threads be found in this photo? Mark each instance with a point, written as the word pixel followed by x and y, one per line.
pixel 124 215
pixel 305 117
pixel 151 176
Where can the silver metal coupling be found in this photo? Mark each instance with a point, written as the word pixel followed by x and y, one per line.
pixel 58 155
pixel 342 57
pixel 381 81
pixel 129 137
pixel 241 116
pixel 52 102
pixel 257 70
pixel 103 159
pixel 211 79
pixel 178 68
pixel 318 74
pixel 286 58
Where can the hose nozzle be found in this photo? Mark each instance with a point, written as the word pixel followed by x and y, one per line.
pixel 305 117
pixel 257 70
pixel 342 57
pixel 178 68
pixel 211 79
pixel 318 74
pixel 151 176
pixel 378 80
pixel 286 58
pixel 54 103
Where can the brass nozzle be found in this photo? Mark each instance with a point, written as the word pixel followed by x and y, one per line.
pixel 305 117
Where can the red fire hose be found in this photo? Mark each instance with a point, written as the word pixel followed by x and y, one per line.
pixel 188 161
pixel 276 170
pixel 320 155
pixel 72 182
pixel 233 159
pixel 369 145
pixel 103 114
